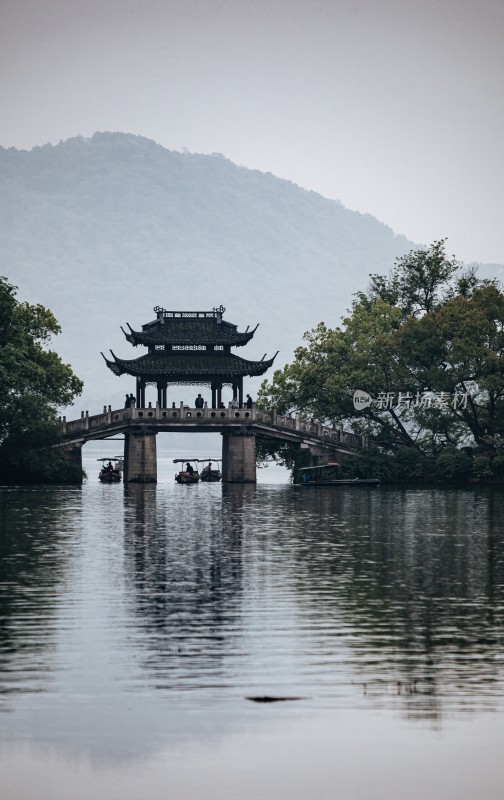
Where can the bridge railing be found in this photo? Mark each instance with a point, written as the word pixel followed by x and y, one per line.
pixel 108 418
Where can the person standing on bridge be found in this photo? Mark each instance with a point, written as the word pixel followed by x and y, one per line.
pixel 249 402
pixel 199 402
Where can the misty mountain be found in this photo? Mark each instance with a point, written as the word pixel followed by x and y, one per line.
pixel 101 230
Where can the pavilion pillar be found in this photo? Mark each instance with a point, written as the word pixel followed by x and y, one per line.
pixel 238 458
pixel 140 458
pixel 240 392
pixel 140 392
pixel 161 394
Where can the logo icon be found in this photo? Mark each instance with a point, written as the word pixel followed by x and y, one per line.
pixel 361 400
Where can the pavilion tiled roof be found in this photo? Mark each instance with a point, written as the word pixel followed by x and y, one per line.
pixel 189 331
pixel 189 366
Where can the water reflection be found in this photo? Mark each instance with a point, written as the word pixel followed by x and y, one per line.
pixel 36 526
pixel 184 575
pixel 413 582
pixel 393 596
pixel 355 599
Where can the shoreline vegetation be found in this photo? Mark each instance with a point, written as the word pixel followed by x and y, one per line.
pixel 465 467
pixel 43 465
pixel 34 383
pixel 417 366
pixel 407 466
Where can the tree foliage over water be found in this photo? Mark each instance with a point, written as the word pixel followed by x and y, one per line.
pixel 34 382
pixel 426 343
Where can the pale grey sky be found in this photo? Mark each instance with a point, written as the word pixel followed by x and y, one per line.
pixel 394 107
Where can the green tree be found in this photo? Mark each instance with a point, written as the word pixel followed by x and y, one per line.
pixel 427 341
pixel 420 281
pixel 34 383
pixel 458 350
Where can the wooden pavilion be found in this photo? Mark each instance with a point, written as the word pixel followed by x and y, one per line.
pixel 189 348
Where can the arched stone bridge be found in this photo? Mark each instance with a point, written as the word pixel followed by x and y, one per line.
pixel 238 427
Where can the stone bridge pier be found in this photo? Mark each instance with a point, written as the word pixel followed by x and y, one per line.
pixel 238 458
pixel 73 454
pixel 140 457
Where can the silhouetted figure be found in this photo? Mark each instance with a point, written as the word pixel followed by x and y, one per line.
pixel 249 402
pixel 199 402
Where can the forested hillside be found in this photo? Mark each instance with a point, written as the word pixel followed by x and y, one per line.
pixel 101 230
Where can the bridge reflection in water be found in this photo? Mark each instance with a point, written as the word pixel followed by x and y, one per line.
pixel 238 427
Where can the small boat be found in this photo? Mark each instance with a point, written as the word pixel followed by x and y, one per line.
pixel 209 474
pixel 189 475
pixel 108 473
pixel 327 475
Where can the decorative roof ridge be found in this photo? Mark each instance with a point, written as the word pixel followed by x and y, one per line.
pixel 164 312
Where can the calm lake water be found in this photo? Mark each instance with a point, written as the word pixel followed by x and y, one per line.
pixel 136 621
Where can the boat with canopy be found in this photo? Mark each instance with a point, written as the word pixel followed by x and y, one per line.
pixel 109 472
pixel 328 475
